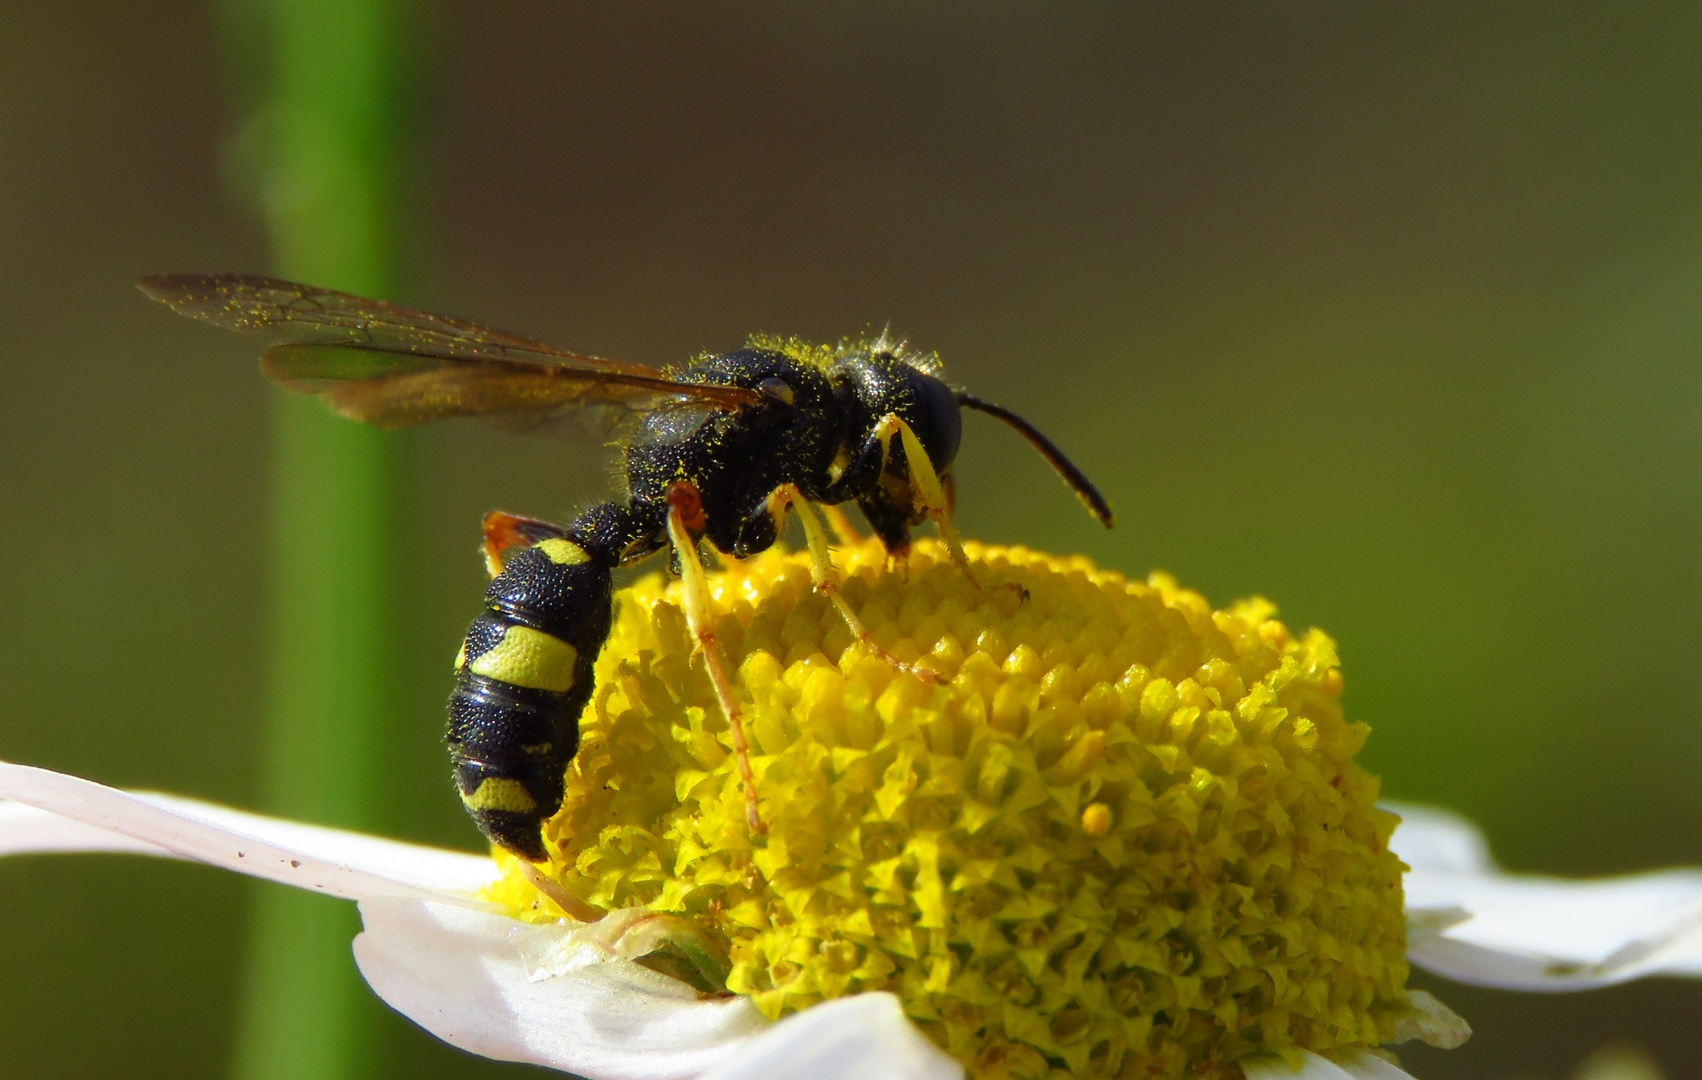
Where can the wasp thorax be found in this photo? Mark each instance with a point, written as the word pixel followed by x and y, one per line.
pixel 1123 834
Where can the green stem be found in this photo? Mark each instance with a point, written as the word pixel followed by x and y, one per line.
pixel 330 120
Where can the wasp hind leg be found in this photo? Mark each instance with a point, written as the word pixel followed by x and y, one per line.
pixel 683 508
pixel 826 581
pixel 505 532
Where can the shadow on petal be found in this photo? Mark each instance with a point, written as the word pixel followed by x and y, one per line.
pixel 460 974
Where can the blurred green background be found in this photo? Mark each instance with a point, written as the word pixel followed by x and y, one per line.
pixel 1392 314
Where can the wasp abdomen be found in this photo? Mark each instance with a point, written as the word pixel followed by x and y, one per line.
pixel 522 678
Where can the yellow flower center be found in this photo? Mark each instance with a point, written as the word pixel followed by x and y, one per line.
pixel 1123 835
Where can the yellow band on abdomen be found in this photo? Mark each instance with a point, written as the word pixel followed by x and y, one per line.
pixel 529 658
pixel 499 793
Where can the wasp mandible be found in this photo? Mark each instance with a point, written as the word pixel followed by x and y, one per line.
pixel 718 449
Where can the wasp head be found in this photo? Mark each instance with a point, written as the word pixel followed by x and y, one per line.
pixel 886 378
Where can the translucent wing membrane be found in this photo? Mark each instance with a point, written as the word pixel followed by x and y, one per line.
pixel 395 366
pixel 287 313
pixel 394 390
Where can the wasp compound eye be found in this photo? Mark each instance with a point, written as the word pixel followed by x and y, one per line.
pixel 939 420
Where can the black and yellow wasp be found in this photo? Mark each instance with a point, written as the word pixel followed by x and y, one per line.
pixel 719 449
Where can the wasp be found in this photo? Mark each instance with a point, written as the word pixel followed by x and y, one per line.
pixel 719 449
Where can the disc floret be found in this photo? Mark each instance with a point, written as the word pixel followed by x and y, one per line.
pixel 1122 835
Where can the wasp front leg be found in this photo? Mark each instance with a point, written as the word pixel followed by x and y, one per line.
pixel 840 523
pixel 685 510
pixel 826 581
pixel 936 496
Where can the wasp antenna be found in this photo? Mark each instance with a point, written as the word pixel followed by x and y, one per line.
pixel 1073 476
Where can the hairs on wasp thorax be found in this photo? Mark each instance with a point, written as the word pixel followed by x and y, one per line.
pixel 718 450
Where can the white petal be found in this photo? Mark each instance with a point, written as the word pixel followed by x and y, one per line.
pixel 1364 1065
pixel 1536 933
pixel 1271 1067
pixel 331 861
pixel 1429 838
pixel 459 974
pixel 24 830
pixel 1470 922
pixel 437 870
pixel 850 1038
pixel 1430 1022
pixel 1356 1065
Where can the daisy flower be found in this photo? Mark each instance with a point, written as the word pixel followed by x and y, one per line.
pixel 1120 835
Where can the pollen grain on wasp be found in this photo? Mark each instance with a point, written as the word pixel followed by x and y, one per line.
pixel 1121 834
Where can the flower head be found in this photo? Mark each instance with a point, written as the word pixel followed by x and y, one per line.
pixel 1122 834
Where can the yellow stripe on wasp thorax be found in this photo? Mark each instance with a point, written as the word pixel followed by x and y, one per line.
pixel 529 658
pixel 562 552
pixel 500 793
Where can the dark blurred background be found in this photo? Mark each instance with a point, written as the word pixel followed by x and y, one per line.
pixel 1391 313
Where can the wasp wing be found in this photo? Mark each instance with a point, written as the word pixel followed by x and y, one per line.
pixel 396 366
pixel 285 313
pixel 396 390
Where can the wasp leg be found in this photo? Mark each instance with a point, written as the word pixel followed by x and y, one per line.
pixel 505 532
pixel 840 522
pixel 827 583
pixel 934 495
pixel 683 505
pixel 577 910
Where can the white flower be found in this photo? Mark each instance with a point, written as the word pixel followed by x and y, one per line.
pixel 1472 923
pixel 565 998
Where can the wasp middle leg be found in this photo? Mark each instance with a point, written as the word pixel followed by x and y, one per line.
pixel 684 510
pixel 826 581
